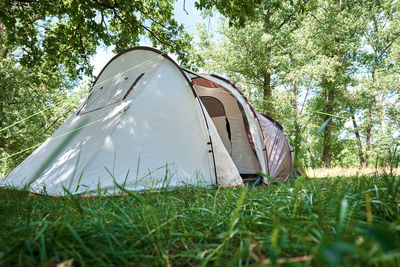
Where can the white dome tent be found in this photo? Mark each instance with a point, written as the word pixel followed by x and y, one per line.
pixel 149 124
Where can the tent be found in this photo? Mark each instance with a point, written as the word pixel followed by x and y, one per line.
pixel 147 123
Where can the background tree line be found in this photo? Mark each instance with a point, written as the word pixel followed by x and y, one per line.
pixel 328 71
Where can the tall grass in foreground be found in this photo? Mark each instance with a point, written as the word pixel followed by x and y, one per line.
pixel 335 221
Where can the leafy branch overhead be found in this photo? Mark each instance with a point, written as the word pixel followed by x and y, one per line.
pixel 241 12
pixel 63 35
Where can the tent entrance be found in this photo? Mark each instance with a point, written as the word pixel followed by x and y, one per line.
pixel 230 121
pixel 216 110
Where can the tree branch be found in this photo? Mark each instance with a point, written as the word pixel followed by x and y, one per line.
pixel 356 28
pixel 304 102
pixel 317 19
pixel 153 20
pixel 289 17
pixel 184 9
pixel 27 1
pixel 397 35
pixel 106 5
pixel 155 36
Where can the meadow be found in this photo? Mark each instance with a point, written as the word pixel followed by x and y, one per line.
pixel 307 222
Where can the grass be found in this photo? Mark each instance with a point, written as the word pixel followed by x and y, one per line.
pixel 307 222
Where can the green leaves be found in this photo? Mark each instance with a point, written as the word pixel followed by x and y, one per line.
pixel 307 64
pixel 238 12
pixel 65 34
pixel 388 239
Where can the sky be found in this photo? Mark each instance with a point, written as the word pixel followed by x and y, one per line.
pixel 188 19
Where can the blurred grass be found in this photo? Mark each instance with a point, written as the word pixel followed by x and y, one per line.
pixel 307 222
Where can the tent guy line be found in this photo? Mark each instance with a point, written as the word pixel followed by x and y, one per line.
pixel 59 136
pixel 32 115
pixel 63 101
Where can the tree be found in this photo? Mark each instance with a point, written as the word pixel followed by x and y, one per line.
pixel 256 50
pixel 335 30
pixel 380 83
pixel 265 58
pixel 63 35
pixel 238 12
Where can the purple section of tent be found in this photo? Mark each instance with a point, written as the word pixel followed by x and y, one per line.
pixel 278 149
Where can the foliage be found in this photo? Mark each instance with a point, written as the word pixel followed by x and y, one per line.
pixel 237 11
pixel 65 34
pixel 331 222
pixel 314 65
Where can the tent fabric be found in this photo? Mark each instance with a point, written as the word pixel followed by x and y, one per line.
pixel 227 173
pixel 146 124
pixel 255 136
pixel 155 130
pixel 280 153
pixel 241 151
pixel 254 133
pixel 216 110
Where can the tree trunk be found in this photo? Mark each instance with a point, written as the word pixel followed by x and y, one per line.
pixel 359 144
pixel 326 153
pixel 267 107
pixel 381 100
pixel 297 127
pixel 267 93
pixel 371 106
pixel 368 135
pixel 330 87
